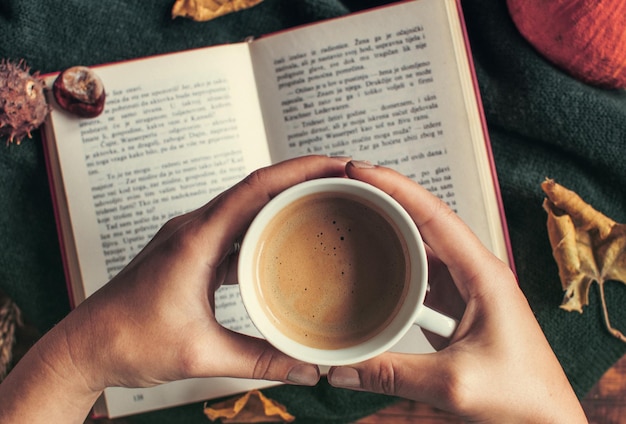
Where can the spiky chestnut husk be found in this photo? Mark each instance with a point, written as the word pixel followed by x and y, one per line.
pixel 23 106
pixel 80 91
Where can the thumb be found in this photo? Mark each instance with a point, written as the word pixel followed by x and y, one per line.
pixel 256 358
pixel 411 376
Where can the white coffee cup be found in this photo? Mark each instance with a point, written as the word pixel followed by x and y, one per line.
pixel 412 312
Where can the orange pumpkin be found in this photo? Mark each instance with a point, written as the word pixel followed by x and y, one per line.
pixel 586 38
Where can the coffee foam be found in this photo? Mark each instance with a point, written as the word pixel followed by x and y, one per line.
pixel 333 271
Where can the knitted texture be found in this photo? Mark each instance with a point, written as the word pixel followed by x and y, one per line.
pixel 542 123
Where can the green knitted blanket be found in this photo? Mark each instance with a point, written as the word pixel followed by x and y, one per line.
pixel 541 123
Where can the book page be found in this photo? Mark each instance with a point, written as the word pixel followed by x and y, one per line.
pixel 170 139
pixel 164 145
pixel 392 86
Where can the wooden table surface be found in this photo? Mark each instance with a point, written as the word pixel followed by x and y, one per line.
pixel 604 404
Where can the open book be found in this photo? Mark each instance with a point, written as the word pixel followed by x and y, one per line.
pixel 393 85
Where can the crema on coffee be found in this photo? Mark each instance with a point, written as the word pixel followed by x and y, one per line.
pixel 331 270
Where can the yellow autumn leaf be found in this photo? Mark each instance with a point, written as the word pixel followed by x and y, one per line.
pixel 205 10
pixel 587 246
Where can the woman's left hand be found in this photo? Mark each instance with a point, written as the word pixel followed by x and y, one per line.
pixel 155 321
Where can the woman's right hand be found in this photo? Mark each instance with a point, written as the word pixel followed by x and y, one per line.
pixel 498 366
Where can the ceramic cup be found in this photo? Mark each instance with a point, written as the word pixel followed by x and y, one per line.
pixel 410 310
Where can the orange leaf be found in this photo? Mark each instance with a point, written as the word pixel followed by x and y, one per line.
pixel 253 407
pixel 205 10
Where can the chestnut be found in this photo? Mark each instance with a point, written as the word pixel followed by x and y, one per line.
pixel 80 91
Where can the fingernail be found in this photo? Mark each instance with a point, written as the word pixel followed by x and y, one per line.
pixel 345 377
pixel 304 375
pixel 362 164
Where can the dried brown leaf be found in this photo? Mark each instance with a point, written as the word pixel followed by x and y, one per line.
pixel 587 246
pixel 252 407
pixel 205 10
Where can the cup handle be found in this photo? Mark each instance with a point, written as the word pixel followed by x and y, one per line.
pixel 436 322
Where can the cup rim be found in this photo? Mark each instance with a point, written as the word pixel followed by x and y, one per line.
pixel 380 342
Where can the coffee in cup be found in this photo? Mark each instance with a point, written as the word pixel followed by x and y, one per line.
pixel 332 270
